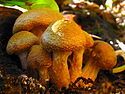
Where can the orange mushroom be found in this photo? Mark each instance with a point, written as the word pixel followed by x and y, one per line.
pixel 38 59
pixel 62 38
pixel 102 56
pixel 20 43
pixel 36 20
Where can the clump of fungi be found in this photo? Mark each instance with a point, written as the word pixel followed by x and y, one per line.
pixel 34 21
pixel 55 48
pixel 63 38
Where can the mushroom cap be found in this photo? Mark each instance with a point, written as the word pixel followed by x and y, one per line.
pixel 63 35
pixel 38 57
pixel 104 55
pixel 21 41
pixel 35 18
pixel 89 40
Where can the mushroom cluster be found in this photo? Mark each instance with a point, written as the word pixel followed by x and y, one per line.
pixel 64 38
pixel 54 46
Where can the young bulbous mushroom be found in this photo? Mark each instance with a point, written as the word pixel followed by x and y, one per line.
pixel 36 20
pixel 20 43
pixel 102 56
pixel 38 59
pixel 62 38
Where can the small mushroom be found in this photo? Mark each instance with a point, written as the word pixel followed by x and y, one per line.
pixel 36 20
pixel 62 38
pixel 20 43
pixel 102 56
pixel 39 59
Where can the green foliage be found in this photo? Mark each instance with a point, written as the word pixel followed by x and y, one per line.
pixel 12 3
pixel 32 4
pixel 44 3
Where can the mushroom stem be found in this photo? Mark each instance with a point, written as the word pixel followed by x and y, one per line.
pixel 76 65
pixel 44 75
pixel 23 59
pixel 60 69
pixel 90 70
